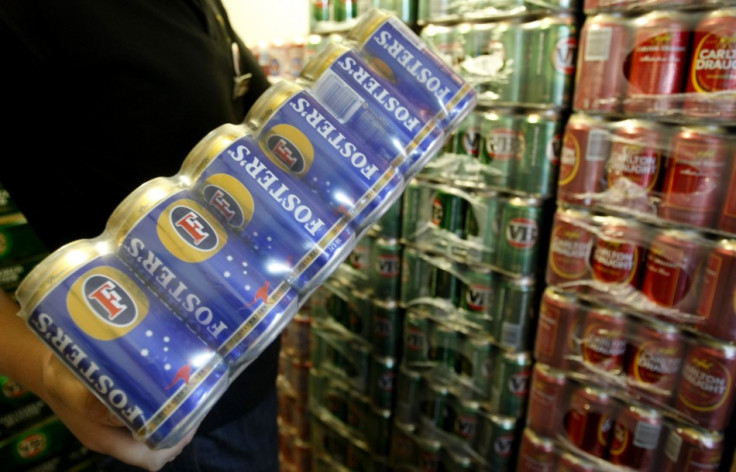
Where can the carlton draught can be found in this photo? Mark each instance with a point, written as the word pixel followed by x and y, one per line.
pixel 256 200
pixel 600 82
pixel 320 153
pixel 636 436
pixel 395 51
pixel 367 101
pixel 711 81
pixel 705 393
pixel 216 283
pixel 658 62
pixel 694 175
pixel 717 295
pixel 690 449
pixel 586 144
pixel 153 372
pixel 571 243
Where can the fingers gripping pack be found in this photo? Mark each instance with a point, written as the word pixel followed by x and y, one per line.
pixel 196 273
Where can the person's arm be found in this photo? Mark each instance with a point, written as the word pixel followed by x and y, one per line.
pixel 26 360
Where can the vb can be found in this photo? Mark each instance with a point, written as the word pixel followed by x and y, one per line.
pixel 481 225
pixel 501 144
pixel 448 211
pixel 394 50
pixel 497 440
pixel 691 449
pixel 510 390
pixel 551 57
pixel 219 286
pixel 692 187
pixel 385 273
pixel 636 436
pixel 717 302
pixel 539 154
pixel 494 61
pixel 92 312
pixel 705 393
pixel 600 83
pixel 518 245
pixel 478 293
pixel 585 149
pixel 386 326
pixel 659 59
pixel 515 311
pixel 711 79
pixel 570 247
pixel 364 100
pixel 259 203
pixel 311 145
pixel 467 137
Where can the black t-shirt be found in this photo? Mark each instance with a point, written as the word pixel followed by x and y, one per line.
pixel 101 96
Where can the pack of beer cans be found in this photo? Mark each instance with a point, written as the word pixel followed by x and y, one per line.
pixel 196 274
pixel 675 61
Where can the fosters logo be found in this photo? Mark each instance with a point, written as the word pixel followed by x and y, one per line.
pixel 230 199
pixel 189 232
pixel 106 303
pixel 289 148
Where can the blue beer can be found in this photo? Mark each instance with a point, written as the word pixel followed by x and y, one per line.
pixel 288 225
pixel 367 101
pixel 222 289
pixel 395 51
pixel 153 372
pixel 301 136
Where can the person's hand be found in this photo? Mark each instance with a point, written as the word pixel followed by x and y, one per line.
pixel 26 360
pixel 93 423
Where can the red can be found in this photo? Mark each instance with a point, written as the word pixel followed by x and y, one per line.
pixel 705 390
pixel 658 62
pixel 694 173
pixel 585 149
pixel 536 454
pixel 673 261
pixel 603 343
pixel 559 317
pixel 727 221
pixel 717 303
pixel 569 250
pixel 618 253
pixel 569 462
pixel 712 78
pixel 599 78
pixel 636 437
pixel 589 422
pixel 690 449
pixel 546 400
pixel 654 353
pixel 638 150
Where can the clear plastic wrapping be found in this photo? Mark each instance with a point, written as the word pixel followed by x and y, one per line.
pixel 676 64
pixel 195 274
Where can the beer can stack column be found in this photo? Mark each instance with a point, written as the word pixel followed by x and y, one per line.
pixel 474 229
pixel 197 273
pixel 635 347
pixel 354 324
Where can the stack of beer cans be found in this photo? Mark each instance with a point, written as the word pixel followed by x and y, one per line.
pixel 635 344
pixel 196 274
pixel 474 227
